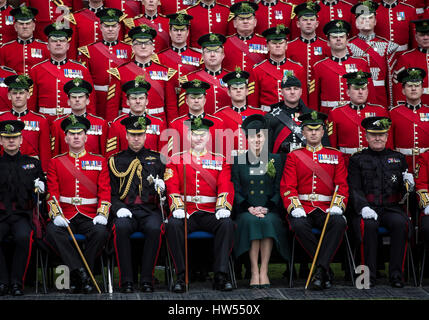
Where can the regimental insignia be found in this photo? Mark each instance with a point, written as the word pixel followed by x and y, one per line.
pixel 393 178
pixel 168 174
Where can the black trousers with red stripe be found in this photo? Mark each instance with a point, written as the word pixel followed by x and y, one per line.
pixel 332 239
pixel 19 227
pixel 149 222
pixel 397 223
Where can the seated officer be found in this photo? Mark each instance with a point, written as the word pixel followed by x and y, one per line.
pixel 307 188
pixel 133 175
pixel 79 198
pixel 207 193
pixel 376 181
pixel 19 175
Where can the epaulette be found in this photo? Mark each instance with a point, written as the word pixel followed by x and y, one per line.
pixel 171 72
pixel 332 148
pixel 129 23
pixel 216 154
pixel 155 117
pixel 196 4
pixel 40 41
pixel 97 117
pixel 409 51
pixel 179 117
pixel 37 114
pixel 254 108
pixel 3 112
pixel 61 118
pixel 223 108
pixel 59 155
pixel 12 41
pixel 341 104
pixel 118 117
pixel 8 69
pixel 215 117
pixel 231 35
pixel 84 50
pixel 155 58
pixel 163 50
pixel 114 72
pixel 346 2
pixel 199 50
pixel 258 64
pixel 296 62
pixel 222 5
pixel 374 105
pixel 230 16
pixel 296 39
pixel 95 154
pixel 70 17
pixel 407 4
pixel 320 61
pixel 78 62
pixel 37 63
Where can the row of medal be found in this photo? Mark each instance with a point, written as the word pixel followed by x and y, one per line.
pixel 258 48
pixel 158 75
pixel 211 164
pixel 194 61
pixel 28 166
pixel 91 165
pixel 95 129
pixel 327 158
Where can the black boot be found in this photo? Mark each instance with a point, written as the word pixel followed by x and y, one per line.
pixel 180 286
pixel 85 281
pixel 75 283
pixel 4 289
pixel 329 278
pixel 221 282
pixel 16 290
pixel 318 281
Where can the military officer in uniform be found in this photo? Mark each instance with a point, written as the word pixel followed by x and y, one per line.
pixel 136 203
pixel 344 122
pixel 333 10
pixel 78 91
pixel 285 134
pixel 422 187
pixel 27 51
pixel 49 76
pixel 245 47
pixel 272 13
pixel 7 32
pixel 35 135
pixel 234 114
pixel 257 202
pixel 162 97
pixel 205 194
pixel 329 88
pixel 309 178
pixel 79 187
pixel 101 56
pixel 131 8
pixel 410 119
pixel 267 75
pixel 307 48
pixel 376 178
pixel 137 99
pixel 417 57
pixel 20 175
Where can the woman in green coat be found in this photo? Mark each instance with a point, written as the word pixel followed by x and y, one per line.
pixel 256 176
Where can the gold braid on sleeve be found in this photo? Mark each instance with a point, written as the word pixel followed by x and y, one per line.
pixel 134 166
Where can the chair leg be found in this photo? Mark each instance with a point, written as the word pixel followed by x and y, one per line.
pixel 291 265
pixel 37 271
pixel 232 272
pixel 103 273
pixel 411 259
pixel 350 259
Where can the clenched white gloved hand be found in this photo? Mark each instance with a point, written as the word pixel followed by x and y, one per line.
pixel 335 210
pixel 298 213
pixel 124 213
pixel 61 222
pixel 222 213
pixel 368 213
pixel 179 214
pixel 100 219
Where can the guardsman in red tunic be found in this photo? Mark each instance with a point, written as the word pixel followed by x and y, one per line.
pixel 422 187
pixel 213 56
pixel 21 176
pixel 7 32
pixel 103 55
pixel 27 51
pixel 410 118
pixel 414 58
pixel 379 52
pixel 328 87
pixel 307 48
pixel 35 134
pixel 199 185
pixel 272 13
pixel 245 48
pixel 52 11
pixel 180 56
pixel 78 91
pixel 333 10
pixel 234 114
pixel 310 176
pixel 137 99
pixel 344 122
pixel 5 103
pixel 152 18
pixel 196 99
pixel 131 8
pixel 79 186
pixel 162 97
pixel 172 7
pixel 210 17
pixel 49 76
pixel 266 76
pixel 394 23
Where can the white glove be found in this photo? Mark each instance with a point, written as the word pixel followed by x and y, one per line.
pixel 39 185
pixel 124 213
pixel 179 214
pixel 368 213
pixel 427 210
pixel 61 222
pixel 335 210
pixel 408 178
pixel 222 213
pixel 100 219
pixel 159 183
pixel 298 213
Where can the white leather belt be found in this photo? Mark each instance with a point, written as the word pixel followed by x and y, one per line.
pixel 425 90
pixel 329 104
pixel 101 88
pixel 378 83
pixel 411 151
pixel 402 48
pixel 55 111
pixel 420 10
pixel 265 108
pixel 149 111
pixel 78 201
pixel 349 150
pixel 314 197
pixel 200 199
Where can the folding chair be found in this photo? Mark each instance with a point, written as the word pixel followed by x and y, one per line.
pixel 349 256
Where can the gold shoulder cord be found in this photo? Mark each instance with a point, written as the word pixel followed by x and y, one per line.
pixel 134 166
